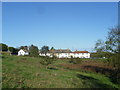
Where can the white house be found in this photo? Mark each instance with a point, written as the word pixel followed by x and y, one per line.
pixel 66 53
pixel 81 54
pixel 60 53
pixel 22 52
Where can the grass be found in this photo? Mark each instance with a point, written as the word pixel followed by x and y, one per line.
pixel 28 72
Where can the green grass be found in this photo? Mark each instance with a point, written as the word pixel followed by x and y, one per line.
pixel 28 72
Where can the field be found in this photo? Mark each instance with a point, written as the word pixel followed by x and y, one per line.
pixel 29 72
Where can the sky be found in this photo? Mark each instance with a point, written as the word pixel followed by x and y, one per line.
pixel 63 25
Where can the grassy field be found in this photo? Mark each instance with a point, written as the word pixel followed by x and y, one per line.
pixel 28 72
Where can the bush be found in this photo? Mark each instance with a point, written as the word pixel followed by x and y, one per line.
pixel 46 61
pixel 75 60
pixel 5 53
pixel 54 57
pixel 114 60
pixel 33 50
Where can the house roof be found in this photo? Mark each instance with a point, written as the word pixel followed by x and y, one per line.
pixel 60 51
pixel 23 50
pixel 66 51
pixel 80 52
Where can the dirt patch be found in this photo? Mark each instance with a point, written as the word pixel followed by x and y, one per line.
pixel 94 66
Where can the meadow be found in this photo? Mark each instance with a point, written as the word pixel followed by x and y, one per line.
pixel 32 72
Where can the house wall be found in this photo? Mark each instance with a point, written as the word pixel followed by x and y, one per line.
pixel 81 55
pixel 68 55
pixel 22 53
pixel 26 53
pixel 41 54
pixel 63 55
pixel 47 54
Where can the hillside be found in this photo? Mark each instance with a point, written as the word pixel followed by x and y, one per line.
pixel 29 72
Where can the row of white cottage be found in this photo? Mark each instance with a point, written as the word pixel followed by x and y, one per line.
pixel 60 53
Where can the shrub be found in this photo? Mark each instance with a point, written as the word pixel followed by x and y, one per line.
pixel 114 60
pixel 54 57
pixel 5 53
pixel 75 60
pixel 33 50
pixel 46 61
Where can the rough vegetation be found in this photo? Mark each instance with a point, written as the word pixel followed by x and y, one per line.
pixel 28 72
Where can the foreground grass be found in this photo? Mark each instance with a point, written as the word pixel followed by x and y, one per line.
pixel 28 72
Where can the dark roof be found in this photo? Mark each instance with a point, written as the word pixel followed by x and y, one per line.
pixel 60 51
pixel 81 52
pixel 24 50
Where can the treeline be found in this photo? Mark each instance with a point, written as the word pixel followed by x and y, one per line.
pixel 6 48
pixel 110 48
pixel 32 49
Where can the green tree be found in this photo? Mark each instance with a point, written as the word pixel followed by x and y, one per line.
pixel 24 47
pixel 13 50
pixel 44 49
pixel 52 48
pixel 33 50
pixel 112 44
pixel 100 49
pixel 112 48
pixel 100 46
pixel 3 47
pixel 113 40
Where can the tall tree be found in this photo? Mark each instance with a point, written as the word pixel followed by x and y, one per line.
pixel 3 47
pixel 112 43
pixel 33 50
pixel 13 50
pixel 113 40
pixel 52 48
pixel 44 49
pixel 112 47
pixel 100 46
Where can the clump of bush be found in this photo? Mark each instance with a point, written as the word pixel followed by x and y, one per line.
pixel 46 60
pixel 75 60
pixel 54 57
pixel 52 68
pixel 114 60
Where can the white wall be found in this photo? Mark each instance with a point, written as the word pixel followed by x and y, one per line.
pixel 63 55
pixel 22 53
pixel 68 55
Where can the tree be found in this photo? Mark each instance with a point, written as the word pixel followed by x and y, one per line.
pixel 13 50
pixel 99 46
pixel 113 40
pixel 100 49
pixel 112 43
pixel 44 49
pixel 24 47
pixel 3 47
pixel 52 48
pixel 33 50
pixel 112 48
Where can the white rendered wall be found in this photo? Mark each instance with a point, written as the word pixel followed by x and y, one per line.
pixel 68 55
pixel 21 52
